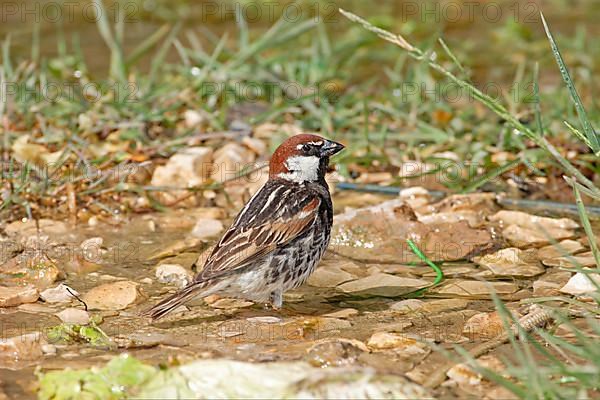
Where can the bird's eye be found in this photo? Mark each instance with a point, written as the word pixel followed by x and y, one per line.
pixel 306 147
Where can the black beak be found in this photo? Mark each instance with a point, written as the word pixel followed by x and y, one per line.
pixel 330 148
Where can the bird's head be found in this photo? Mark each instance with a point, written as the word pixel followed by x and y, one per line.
pixel 303 158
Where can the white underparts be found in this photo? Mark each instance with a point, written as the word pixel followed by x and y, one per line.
pixel 301 169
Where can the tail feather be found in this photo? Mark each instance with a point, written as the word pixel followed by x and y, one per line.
pixel 175 300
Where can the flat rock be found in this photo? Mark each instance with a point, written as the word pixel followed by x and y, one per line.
pixel 579 260
pixel 344 313
pixel 74 316
pixel 523 219
pixel 329 276
pixel 511 262
pixel 561 249
pixel 383 285
pixel 112 296
pixel 227 303
pixel 531 236
pixel 58 294
pixel 30 267
pixel 11 296
pixel 550 283
pixel 378 234
pixel 230 160
pixel 463 374
pixel 475 289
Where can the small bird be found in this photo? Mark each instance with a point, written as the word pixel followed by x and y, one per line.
pixel 279 236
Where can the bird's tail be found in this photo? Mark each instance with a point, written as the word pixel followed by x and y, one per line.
pixel 175 300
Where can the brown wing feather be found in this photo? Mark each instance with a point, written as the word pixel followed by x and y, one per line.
pixel 242 245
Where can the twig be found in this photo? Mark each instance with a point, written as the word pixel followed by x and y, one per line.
pixel 77 297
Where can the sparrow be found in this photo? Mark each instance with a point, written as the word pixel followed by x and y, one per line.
pixel 278 237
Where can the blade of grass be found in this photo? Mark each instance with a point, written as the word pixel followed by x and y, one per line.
pixel 118 68
pixel 148 44
pixel 583 117
pixel 439 274
pixel 585 221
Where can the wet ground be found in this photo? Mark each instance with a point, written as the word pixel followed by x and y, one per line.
pixel 357 309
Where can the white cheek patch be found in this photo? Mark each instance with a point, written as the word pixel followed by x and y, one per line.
pixel 302 169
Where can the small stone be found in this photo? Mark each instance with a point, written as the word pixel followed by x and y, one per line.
pixel 207 228
pixel 74 316
pixel 408 305
pixel 335 352
pixel 49 349
pixel 463 374
pixel 173 274
pixel 230 160
pixel 383 285
pixel 403 343
pixel 146 281
pixel 581 283
pixel 112 296
pixel 343 313
pixel 194 118
pixel 11 296
pixel 483 326
pixel 58 294
pixel 256 145
pixel 442 305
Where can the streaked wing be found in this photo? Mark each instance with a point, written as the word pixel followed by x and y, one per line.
pixel 276 215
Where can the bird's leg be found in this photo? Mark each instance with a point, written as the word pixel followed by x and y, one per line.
pixel 277 299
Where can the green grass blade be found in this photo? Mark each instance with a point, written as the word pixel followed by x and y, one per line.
pixel 439 274
pixel 148 44
pixel 585 221
pixel 583 118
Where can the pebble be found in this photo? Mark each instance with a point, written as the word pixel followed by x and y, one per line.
pixel 112 296
pixel 58 294
pixel 523 219
pixel 581 284
pixel 74 316
pixel 207 228
pixel 11 296
pixel 463 374
pixel 173 274
pixel 226 303
pixel 483 326
pixel 383 285
pixel 404 343
pixel 335 352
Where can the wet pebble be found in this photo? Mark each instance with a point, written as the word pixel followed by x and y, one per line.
pixel 112 296
pixel 173 274
pixel 335 352
pixel 408 345
pixel 228 303
pixel 11 296
pixel 74 316
pixel 58 294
